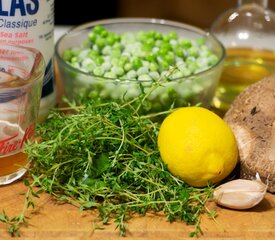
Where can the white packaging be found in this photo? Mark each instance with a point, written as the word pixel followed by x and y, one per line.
pixel 31 23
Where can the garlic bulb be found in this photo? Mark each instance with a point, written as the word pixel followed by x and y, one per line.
pixel 240 193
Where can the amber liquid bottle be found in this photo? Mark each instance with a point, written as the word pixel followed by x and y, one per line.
pixel 248 34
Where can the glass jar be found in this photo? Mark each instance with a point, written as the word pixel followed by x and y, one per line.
pixel 248 34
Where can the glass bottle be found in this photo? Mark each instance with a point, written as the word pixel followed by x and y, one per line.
pixel 248 34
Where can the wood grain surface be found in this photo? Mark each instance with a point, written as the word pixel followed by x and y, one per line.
pixel 51 220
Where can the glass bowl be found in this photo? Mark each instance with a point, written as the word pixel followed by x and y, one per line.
pixel 191 89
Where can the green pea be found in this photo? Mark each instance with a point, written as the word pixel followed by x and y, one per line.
pixel 110 39
pixel 154 75
pixel 163 51
pixel 165 38
pixel 193 51
pixel 100 42
pixel 150 42
pixel 169 58
pixel 151 34
pixel 200 41
pixel 122 61
pixel 132 74
pixel 179 52
pixel 110 75
pixel 158 36
pixel 67 54
pixel 117 37
pixel 172 35
pixel 98 71
pixel 116 53
pixel 153 66
pixel 176 75
pixel 185 43
pixel 136 63
pixel 99 60
pixel 92 37
pixel 93 54
pixel 158 43
pixel 117 70
pixel 127 67
pixel 104 33
pixel 151 57
pixel 213 59
pixel 98 29
pixel 142 71
pixel 164 64
pixel 144 77
pixel 74 59
pixel 107 50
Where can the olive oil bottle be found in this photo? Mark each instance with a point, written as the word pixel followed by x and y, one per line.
pixel 247 33
pixel 242 67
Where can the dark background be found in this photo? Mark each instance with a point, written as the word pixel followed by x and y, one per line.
pixel 80 11
pixel 200 13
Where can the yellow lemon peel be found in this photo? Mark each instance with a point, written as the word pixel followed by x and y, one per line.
pixel 197 146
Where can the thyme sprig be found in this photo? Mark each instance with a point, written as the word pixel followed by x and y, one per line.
pixel 17 221
pixel 105 156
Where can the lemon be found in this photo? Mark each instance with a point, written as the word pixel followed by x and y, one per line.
pixel 197 146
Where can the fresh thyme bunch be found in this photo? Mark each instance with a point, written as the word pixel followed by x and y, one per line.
pixel 105 156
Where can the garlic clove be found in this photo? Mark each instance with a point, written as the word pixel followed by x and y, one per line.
pixel 240 193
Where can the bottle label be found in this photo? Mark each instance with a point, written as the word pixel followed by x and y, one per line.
pixel 30 23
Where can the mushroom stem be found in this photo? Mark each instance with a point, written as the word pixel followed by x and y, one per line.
pixel 272 143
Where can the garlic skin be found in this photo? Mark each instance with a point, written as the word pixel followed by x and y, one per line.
pixel 240 194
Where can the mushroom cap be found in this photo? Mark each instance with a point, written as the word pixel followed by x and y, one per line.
pixel 252 119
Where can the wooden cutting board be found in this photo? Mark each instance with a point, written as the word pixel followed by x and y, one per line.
pixel 51 220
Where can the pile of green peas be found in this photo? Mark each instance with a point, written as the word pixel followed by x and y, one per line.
pixel 143 55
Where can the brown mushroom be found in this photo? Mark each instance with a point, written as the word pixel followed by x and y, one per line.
pixel 252 119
